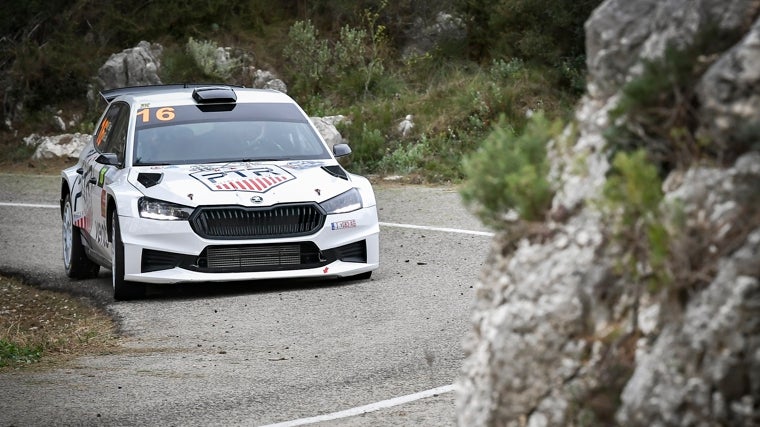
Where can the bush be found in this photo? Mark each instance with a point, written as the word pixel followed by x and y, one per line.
pixel 349 66
pixel 540 32
pixel 213 60
pixel 13 354
pixel 308 57
pixel 632 198
pixel 509 173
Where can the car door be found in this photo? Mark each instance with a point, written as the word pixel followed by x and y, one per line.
pixel 111 137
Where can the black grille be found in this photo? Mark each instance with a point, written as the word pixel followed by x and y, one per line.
pixel 354 252
pixel 239 222
pixel 158 260
pixel 287 256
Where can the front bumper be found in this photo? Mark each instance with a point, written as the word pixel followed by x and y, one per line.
pixel 187 257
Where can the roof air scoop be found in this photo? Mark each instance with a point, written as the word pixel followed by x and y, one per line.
pixel 214 95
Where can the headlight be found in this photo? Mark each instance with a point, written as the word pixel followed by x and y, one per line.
pixel 161 210
pixel 349 201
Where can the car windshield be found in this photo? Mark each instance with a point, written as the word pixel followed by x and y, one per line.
pixel 188 135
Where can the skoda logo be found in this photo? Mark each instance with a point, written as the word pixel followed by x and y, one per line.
pixel 257 199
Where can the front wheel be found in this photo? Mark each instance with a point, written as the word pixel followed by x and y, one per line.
pixel 75 260
pixel 122 289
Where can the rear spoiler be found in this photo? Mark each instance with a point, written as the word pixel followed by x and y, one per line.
pixel 111 94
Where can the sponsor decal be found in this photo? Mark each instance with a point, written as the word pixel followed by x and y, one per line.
pixel 101 236
pixel 304 164
pixel 103 199
pixel 258 179
pixel 102 176
pixel 341 225
pixel 204 168
pixel 82 221
pixel 326 269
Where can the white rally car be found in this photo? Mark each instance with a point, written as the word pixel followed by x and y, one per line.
pixel 213 184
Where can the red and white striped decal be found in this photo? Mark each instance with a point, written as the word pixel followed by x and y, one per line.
pixel 258 180
pixel 252 184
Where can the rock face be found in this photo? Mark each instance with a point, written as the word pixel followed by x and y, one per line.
pixel 326 128
pixel 50 147
pixel 264 79
pixel 136 66
pixel 555 340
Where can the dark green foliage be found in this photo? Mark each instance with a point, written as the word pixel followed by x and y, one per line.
pixel 177 66
pixel 510 172
pixel 335 57
pixel 51 49
pixel 13 354
pixel 548 33
pixel 632 205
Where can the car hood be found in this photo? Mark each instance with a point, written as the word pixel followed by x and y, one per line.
pixel 246 184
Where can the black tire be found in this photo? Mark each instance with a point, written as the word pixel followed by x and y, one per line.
pixel 75 260
pixel 122 289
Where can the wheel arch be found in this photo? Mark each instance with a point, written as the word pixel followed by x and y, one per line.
pixel 111 208
pixel 65 191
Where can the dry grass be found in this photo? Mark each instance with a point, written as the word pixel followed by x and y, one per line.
pixel 45 328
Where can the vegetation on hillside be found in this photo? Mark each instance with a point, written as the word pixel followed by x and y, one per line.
pixel 500 58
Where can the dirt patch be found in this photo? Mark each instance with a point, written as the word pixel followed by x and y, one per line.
pixel 41 328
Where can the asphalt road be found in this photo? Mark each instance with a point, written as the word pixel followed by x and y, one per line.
pixel 261 353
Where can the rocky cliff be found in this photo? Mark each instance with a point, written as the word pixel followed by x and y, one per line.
pixel 560 336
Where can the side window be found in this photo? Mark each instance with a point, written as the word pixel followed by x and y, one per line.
pixel 111 136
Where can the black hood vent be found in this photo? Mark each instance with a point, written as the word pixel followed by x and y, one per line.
pixel 336 171
pixel 149 179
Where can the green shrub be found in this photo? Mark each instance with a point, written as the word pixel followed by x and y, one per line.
pixel 368 147
pixel 207 56
pixel 632 207
pixel 11 353
pixel 502 70
pixel 308 58
pixel 405 159
pixel 536 31
pixel 349 67
pixel 178 66
pixel 510 172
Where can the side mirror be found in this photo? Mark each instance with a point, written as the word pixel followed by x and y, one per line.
pixel 340 150
pixel 110 159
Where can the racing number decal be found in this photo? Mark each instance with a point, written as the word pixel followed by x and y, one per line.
pixel 163 114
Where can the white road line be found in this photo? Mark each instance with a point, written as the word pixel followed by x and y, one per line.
pixel 446 230
pixel 29 205
pixel 367 408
